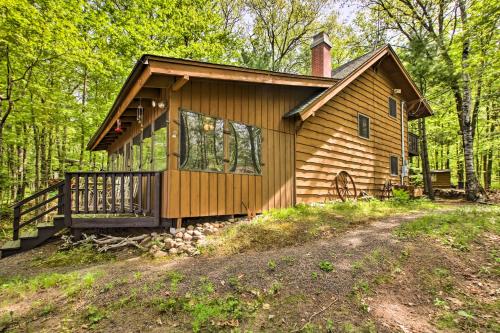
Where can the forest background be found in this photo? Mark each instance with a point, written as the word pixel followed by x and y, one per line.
pixel 63 62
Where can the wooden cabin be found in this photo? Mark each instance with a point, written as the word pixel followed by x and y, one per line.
pixel 189 139
pixel 230 140
pixel 441 178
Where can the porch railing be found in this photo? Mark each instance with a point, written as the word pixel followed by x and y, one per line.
pixel 128 193
pixel 412 144
pixel 38 207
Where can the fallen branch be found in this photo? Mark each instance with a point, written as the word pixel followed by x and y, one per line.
pixel 314 315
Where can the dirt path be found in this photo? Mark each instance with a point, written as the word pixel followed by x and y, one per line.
pixel 368 268
pixel 372 245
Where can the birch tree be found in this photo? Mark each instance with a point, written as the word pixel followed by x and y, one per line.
pixel 450 29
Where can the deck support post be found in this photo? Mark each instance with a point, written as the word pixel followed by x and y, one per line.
pixel 178 223
pixel 17 220
pixel 67 200
pixel 157 197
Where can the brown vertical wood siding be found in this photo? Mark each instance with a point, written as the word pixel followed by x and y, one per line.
pixel 194 193
pixel 298 167
pixel 328 142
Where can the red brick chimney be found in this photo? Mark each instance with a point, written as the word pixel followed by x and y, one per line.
pixel 321 58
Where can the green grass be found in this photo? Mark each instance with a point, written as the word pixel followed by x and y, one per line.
pixel 175 278
pixel 206 310
pixel 94 315
pixel 71 283
pixel 295 225
pixel 80 255
pixel 457 229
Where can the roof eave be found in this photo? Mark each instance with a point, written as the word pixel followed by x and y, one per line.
pixel 340 85
pixel 139 66
pixel 268 77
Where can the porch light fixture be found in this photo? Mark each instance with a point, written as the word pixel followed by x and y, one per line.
pixel 153 103
pixel 161 105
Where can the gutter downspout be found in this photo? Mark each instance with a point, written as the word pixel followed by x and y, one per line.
pixel 403 169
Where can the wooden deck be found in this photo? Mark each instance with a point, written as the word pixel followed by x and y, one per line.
pixel 112 199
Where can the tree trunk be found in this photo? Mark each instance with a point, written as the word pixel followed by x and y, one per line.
pixel 425 160
pixel 49 154
pixel 36 143
pixel 43 158
pixel 82 119
pixel 448 156
pixel 460 166
pixel 471 182
pixel 436 159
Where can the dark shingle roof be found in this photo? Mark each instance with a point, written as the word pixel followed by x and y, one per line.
pixel 298 109
pixel 344 70
pixel 338 73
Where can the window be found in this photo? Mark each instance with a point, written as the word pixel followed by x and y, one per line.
pixel 160 143
pixel 245 144
pixel 201 142
pixel 363 126
pixel 394 166
pixel 434 177
pixel 147 149
pixel 392 108
pixel 136 153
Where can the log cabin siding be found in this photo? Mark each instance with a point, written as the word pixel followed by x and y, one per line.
pixel 329 142
pixel 195 193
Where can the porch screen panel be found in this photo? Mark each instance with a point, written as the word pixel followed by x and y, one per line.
pixel 201 142
pixel 147 149
pixel 136 153
pixel 119 160
pixel 112 162
pixel 245 147
pixel 160 143
pixel 126 154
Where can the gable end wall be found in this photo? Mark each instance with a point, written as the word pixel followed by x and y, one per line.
pixel 328 142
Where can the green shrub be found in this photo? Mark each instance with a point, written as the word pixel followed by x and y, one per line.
pixel 400 196
pixel 326 266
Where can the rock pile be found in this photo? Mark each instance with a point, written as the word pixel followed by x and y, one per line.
pixel 158 244
pixel 183 240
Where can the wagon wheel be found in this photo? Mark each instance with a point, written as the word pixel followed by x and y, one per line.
pixel 387 190
pixel 346 188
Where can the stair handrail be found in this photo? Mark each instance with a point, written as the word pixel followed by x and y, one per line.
pixel 18 212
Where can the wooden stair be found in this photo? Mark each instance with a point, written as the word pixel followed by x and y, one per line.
pixel 30 240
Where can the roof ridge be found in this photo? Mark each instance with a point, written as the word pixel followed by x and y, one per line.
pixel 347 68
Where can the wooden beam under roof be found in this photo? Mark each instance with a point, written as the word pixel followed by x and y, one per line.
pixel 214 72
pixel 180 82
